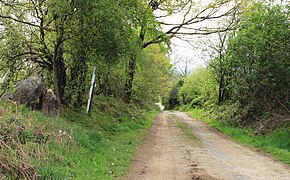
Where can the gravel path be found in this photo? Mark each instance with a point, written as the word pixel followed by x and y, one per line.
pixel 167 154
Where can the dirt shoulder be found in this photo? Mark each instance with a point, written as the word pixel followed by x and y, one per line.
pixel 167 154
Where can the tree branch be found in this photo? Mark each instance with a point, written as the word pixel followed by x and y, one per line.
pixel 44 63
pixel 23 22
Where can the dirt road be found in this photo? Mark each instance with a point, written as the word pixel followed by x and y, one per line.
pixel 167 154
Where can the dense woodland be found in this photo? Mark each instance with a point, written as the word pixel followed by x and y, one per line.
pixel 246 83
pixel 63 40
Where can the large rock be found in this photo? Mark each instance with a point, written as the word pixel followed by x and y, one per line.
pixel 27 90
pixel 6 96
pixel 50 104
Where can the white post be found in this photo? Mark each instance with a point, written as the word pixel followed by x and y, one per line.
pixel 90 100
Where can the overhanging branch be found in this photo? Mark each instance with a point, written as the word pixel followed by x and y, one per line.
pixel 23 22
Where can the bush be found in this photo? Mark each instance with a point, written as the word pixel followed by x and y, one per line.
pixel 199 89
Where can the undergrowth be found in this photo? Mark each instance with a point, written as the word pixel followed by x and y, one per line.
pixel 276 143
pixel 74 146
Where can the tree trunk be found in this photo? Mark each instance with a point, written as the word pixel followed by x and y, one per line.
pixel 80 80
pixel 130 79
pixel 221 89
pixel 59 73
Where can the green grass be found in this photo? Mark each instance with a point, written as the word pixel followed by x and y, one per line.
pixel 74 146
pixel 276 143
pixel 186 130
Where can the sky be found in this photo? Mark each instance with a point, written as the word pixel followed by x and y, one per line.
pixel 193 51
pixel 193 55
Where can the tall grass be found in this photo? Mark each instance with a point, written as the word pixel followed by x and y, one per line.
pixel 74 146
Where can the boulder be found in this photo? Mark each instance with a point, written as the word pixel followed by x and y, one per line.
pixel 27 90
pixel 6 96
pixel 32 92
pixel 50 104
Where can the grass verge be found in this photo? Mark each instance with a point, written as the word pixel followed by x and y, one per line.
pixel 74 146
pixel 276 143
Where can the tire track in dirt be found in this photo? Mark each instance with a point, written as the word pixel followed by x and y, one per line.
pixel 166 154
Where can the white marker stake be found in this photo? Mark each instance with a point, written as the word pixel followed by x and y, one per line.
pixel 90 100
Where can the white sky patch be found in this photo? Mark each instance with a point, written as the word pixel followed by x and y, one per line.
pixel 182 51
pixel 189 51
pixel 195 53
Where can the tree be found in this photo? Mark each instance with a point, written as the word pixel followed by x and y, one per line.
pixel 149 24
pixel 152 74
pixel 171 99
pixel 64 38
pixel 257 59
pixel 218 65
pixel 102 38
pixel 43 25
pixel 199 89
